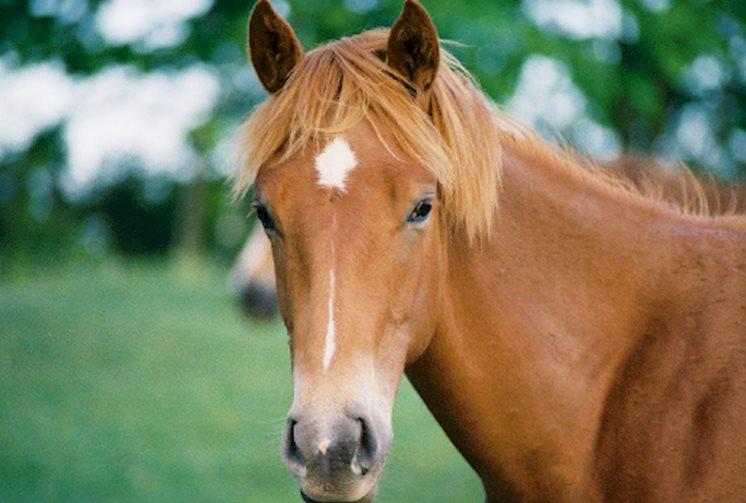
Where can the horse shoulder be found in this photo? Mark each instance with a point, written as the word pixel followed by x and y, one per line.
pixel 672 426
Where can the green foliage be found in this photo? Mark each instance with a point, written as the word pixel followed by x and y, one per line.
pixel 635 82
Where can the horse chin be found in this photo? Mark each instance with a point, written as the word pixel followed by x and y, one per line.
pixel 366 499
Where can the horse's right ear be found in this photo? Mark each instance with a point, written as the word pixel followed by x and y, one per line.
pixel 273 46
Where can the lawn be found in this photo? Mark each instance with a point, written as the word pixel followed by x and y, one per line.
pixel 142 382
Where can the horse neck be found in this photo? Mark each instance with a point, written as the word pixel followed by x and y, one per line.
pixel 534 324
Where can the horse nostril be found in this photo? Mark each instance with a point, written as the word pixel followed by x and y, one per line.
pixel 368 450
pixel 292 452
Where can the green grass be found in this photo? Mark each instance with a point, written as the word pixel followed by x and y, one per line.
pixel 143 383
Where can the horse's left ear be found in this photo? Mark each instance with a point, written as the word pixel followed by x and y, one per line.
pixel 414 48
pixel 273 45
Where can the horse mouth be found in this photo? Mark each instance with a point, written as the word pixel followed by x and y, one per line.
pixel 366 499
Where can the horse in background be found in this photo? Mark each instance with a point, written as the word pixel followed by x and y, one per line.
pixel 252 278
pixel 680 187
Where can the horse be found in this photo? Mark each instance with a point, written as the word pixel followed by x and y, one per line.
pixel 576 339
pixel 252 278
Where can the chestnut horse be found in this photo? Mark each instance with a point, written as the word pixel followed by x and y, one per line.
pixel 576 340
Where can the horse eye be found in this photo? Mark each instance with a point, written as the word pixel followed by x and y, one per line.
pixel 264 217
pixel 420 212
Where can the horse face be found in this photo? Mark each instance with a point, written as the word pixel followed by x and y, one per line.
pixel 355 231
pixel 354 234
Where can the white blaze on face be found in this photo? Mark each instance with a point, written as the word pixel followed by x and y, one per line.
pixel 334 163
pixel 329 344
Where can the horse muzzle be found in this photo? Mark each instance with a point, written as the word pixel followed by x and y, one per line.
pixel 337 461
pixel 258 301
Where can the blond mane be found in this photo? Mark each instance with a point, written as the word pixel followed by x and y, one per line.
pixel 460 141
pixel 341 83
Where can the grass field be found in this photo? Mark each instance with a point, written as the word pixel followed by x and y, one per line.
pixel 142 383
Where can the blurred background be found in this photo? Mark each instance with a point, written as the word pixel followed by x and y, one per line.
pixel 126 370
